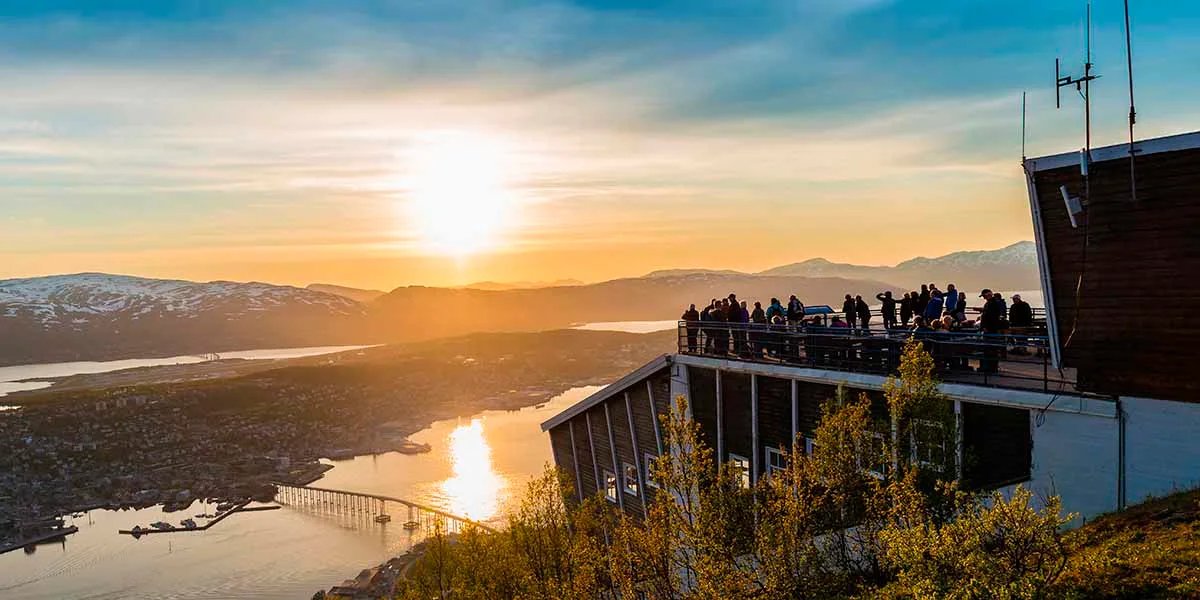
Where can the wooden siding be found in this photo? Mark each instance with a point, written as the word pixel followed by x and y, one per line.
pixel 997 445
pixel 702 385
pixel 643 424
pixel 735 408
pixel 625 454
pixel 587 469
pixel 1134 330
pixel 560 446
pixel 774 417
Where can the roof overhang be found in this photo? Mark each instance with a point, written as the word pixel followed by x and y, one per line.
pixel 609 391
pixel 1171 143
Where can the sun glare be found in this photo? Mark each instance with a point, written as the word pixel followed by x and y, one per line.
pixel 458 192
pixel 474 489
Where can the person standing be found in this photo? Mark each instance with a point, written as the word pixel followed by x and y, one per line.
pixel 922 300
pixel 951 299
pixel 933 310
pixel 864 314
pixel 1020 319
pixel 888 310
pixel 795 311
pixel 759 318
pixel 850 311
pixel 907 308
pixel 990 322
pixel 691 318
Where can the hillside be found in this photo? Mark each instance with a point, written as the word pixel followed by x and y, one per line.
pixel 94 316
pixel 355 294
pixel 1151 550
pixel 1011 268
pixel 423 312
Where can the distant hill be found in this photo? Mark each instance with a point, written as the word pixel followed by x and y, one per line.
pixel 417 312
pixel 519 285
pixel 355 294
pixel 1010 268
pixel 96 316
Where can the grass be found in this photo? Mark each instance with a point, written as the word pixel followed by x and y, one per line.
pixel 1151 550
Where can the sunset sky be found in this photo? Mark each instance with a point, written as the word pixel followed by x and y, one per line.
pixel 385 143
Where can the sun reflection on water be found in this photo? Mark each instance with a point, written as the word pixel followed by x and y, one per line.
pixel 475 488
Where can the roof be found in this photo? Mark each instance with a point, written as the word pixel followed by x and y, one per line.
pixel 1171 143
pixel 609 391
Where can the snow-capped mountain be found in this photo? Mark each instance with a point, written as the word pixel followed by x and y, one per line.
pixel 1013 267
pixel 100 316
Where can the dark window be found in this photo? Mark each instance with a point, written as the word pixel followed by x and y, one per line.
pixel 997 449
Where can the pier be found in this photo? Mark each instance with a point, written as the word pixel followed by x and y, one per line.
pixel 221 517
pixel 372 506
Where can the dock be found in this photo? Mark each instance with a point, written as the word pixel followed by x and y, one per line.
pixel 40 539
pixel 221 517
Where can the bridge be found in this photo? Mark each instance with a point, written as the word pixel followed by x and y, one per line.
pixel 372 505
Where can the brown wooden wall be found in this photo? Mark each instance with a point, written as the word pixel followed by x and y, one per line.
pixel 560 447
pixel 1135 328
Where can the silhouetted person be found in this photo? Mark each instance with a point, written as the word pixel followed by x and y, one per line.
pixel 922 300
pixel 991 321
pixel 950 299
pixel 795 311
pixel 850 311
pixel 691 317
pixel 907 308
pixel 933 310
pixel 864 314
pixel 1021 313
pixel 960 309
pixel 888 309
pixel 759 318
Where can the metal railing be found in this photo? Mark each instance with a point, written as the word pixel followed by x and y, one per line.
pixel 1014 359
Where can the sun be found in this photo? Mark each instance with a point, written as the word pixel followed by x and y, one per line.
pixel 458 191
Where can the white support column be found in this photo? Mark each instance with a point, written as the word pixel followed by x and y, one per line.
pixel 720 422
pixel 592 447
pixel 612 446
pixel 637 454
pixel 575 460
pixel 754 429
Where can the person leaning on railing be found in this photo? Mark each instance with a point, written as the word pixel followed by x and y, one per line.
pixel 991 322
pixel 1020 321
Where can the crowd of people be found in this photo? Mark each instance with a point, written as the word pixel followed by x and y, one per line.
pixel 921 312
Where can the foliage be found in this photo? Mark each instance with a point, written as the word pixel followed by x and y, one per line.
pixel 861 515
pixel 1149 551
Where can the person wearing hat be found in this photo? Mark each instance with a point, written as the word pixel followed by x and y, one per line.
pixel 1020 319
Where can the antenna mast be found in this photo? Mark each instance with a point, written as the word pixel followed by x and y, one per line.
pixel 1132 112
pixel 1083 86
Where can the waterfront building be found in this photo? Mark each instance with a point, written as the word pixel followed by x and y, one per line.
pixel 1096 404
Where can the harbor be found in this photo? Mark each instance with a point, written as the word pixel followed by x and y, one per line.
pixel 190 524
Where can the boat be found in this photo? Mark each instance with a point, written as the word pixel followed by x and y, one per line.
pixel 188 523
pixel 411 525
pixel 225 506
pixel 383 518
pixel 161 525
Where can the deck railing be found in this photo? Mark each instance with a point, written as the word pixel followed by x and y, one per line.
pixel 1015 359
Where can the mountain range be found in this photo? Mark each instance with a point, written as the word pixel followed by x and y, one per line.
pixel 96 316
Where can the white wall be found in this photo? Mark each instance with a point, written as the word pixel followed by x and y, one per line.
pixel 1162 447
pixel 1075 456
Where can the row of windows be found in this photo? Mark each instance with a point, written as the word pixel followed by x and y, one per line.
pixel 927 446
pixel 629 479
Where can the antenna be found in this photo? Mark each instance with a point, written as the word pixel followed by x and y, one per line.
pixel 1083 86
pixel 1132 111
pixel 1022 126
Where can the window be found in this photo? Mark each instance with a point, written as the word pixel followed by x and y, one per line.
pixel 741 470
pixel 630 479
pixel 875 461
pixel 927 440
pixel 776 460
pixel 648 463
pixel 610 486
pixel 810 446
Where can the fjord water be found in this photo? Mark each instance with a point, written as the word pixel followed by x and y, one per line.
pixel 20 378
pixel 477 467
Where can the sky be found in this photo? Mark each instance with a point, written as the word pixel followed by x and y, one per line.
pixel 392 142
